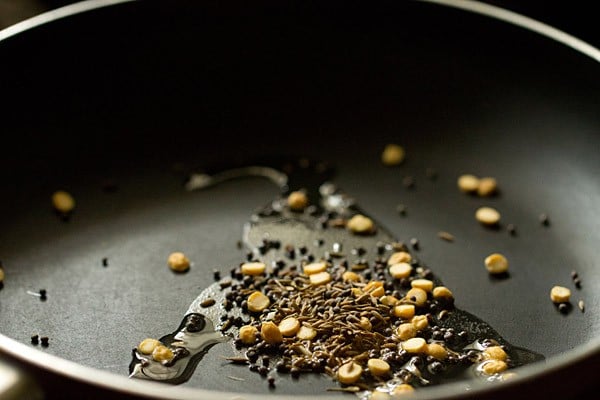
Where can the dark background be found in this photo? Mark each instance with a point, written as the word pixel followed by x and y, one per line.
pixel 574 17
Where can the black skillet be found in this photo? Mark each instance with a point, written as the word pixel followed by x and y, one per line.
pixel 118 104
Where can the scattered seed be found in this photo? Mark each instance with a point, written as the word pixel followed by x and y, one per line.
pixel 512 230
pixel 44 340
pixel 544 220
pixel 392 155
pixel 208 303
pixel 487 216
pixel 414 242
pixel 560 294
pixel 178 262
pixel 401 209
pixel 581 305
pixel 446 236
pixel 496 263
pixel 408 182
pixel 105 262
pixel 35 339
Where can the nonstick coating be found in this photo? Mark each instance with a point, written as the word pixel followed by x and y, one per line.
pixel 140 93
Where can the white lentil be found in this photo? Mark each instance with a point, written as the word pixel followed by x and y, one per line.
pixel 178 262
pixel 487 215
pixel 392 155
pixel 253 268
pixel 63 201
pixel 349 372
pixel 496 263
pixel 468 183
pixel 560 294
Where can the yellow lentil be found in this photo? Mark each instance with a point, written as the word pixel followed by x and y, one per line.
pixel 258 302
pixel 436 351
pixel 399 257
pixel 297 201
pixel 468 183
pixel 253 268
pixel 320 278
pixel 420 322
pixel 487 187
pixel 162 353
pixel 402 389
pixel 414 345
pixel 491 367
pixel 349 372
pixel 63 201
pixel 560 294
pixel 496 263
pixel 360 224
pixel 495 353
pixel 350 276
pixel 425 284
pixel 404 311
pixel 248 334
pixel 388 300
pixel 289 326
pixel 442 292
pixel 392 155
pixel 270 333
pixel 147 346
pixel 178 262
pixel 378 367
pixel 419 296
pixel 400 270
pixel 315 267
pixel 306 333
pixel 487 215
pixel 406 331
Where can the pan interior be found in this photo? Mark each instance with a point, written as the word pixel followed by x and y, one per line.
pixel 164 92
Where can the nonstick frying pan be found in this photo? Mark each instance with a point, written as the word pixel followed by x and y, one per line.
pixel 118 102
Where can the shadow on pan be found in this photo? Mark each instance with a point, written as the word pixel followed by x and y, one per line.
pixel 117 106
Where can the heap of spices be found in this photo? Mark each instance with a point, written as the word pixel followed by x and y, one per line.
pixel 325 317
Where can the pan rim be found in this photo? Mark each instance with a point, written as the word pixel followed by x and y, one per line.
pixel 123 384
